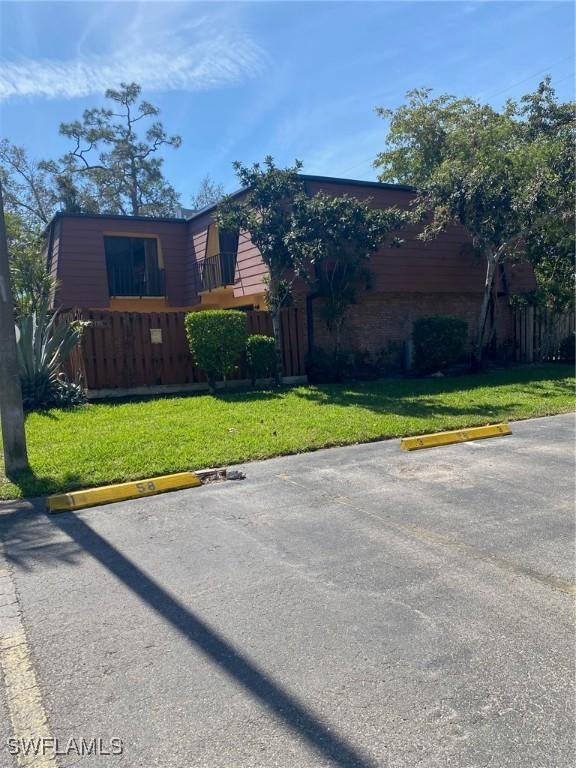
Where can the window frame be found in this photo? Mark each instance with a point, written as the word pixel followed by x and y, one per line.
pixel 160 266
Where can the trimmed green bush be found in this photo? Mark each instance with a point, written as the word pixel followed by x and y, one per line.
pixel 217 338
pixel 439 341
pixel 260 356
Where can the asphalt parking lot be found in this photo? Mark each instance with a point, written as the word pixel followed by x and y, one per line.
pixel 356 606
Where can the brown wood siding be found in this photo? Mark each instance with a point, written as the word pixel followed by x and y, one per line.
pixel 54 245
pixel 380 196
pixel 83 281
pixel 52 252
pixel 197 237
pixel 443 265
pixel 250 269
pixel 446 264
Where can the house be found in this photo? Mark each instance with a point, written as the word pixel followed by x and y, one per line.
pixel 142 265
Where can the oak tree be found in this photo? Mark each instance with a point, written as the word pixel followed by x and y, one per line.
pixel 504 175
pixel 331 241
pixel 264 214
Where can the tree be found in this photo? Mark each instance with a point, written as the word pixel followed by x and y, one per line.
pixel 332 240
pixel 504 175
pixel 29 188
pixel 123 167
pixel 11 412
pixel 550 250
pixel 31 283
pixel 35 190
pixel 209 192
pixel 264 214
pixel 550 247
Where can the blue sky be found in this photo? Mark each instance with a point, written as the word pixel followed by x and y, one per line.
pixel 293 79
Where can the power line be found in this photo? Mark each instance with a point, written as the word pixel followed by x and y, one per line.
pixel 360 164
pixel 535 74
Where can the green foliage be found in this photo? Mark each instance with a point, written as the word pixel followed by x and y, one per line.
pixel 217 339
pixel 29 188
pixel 122 167
pixel 568 348
pixel 265 211
pixel 105 443
pixel 550 249
pixel 31 283
pixel 331 240
pixel 504 175
pixel 438 342
pixel 43 347
pixel 109 169
pixel 260 356
pixel 324 367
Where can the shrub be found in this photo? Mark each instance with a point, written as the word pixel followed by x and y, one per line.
pixel 217 338
pixel 43 348
pixel 323 367
pixel 568 348
pixel 438 342
pixel 390 361
pixel 260 356
pixel 361 365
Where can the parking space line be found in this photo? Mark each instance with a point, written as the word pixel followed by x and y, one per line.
pixel 23 696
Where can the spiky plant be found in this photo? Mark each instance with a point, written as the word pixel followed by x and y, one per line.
pixel 44 346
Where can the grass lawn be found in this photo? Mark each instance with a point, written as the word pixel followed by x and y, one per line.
pixel 111 442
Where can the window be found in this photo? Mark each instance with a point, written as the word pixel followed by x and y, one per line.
pixel 133 267
pixel 229 242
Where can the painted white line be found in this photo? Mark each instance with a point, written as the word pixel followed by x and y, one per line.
pixel 23 696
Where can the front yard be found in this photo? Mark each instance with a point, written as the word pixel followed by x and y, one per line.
pixel 112 442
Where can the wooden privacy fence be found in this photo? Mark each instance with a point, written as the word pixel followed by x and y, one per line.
pixel 123 350
pixel 538 333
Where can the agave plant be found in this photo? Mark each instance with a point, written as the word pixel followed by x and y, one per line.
pixel 44 346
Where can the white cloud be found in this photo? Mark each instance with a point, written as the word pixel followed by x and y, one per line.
pixel 172 61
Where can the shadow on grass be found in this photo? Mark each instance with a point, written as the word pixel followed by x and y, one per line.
pixel 419 399
pixel 422 397
pixel 363 393
pixel 31 485
pixel 420 408
pixel 30 536
pixel 385 395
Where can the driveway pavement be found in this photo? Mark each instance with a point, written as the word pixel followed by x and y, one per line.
pixel 353 607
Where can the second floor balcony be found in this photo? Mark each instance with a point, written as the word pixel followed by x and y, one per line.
pixel 215 271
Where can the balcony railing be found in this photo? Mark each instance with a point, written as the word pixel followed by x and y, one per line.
pixel 215 271
pixel 123 280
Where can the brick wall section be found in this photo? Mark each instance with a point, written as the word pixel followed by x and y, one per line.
pixel 378 318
